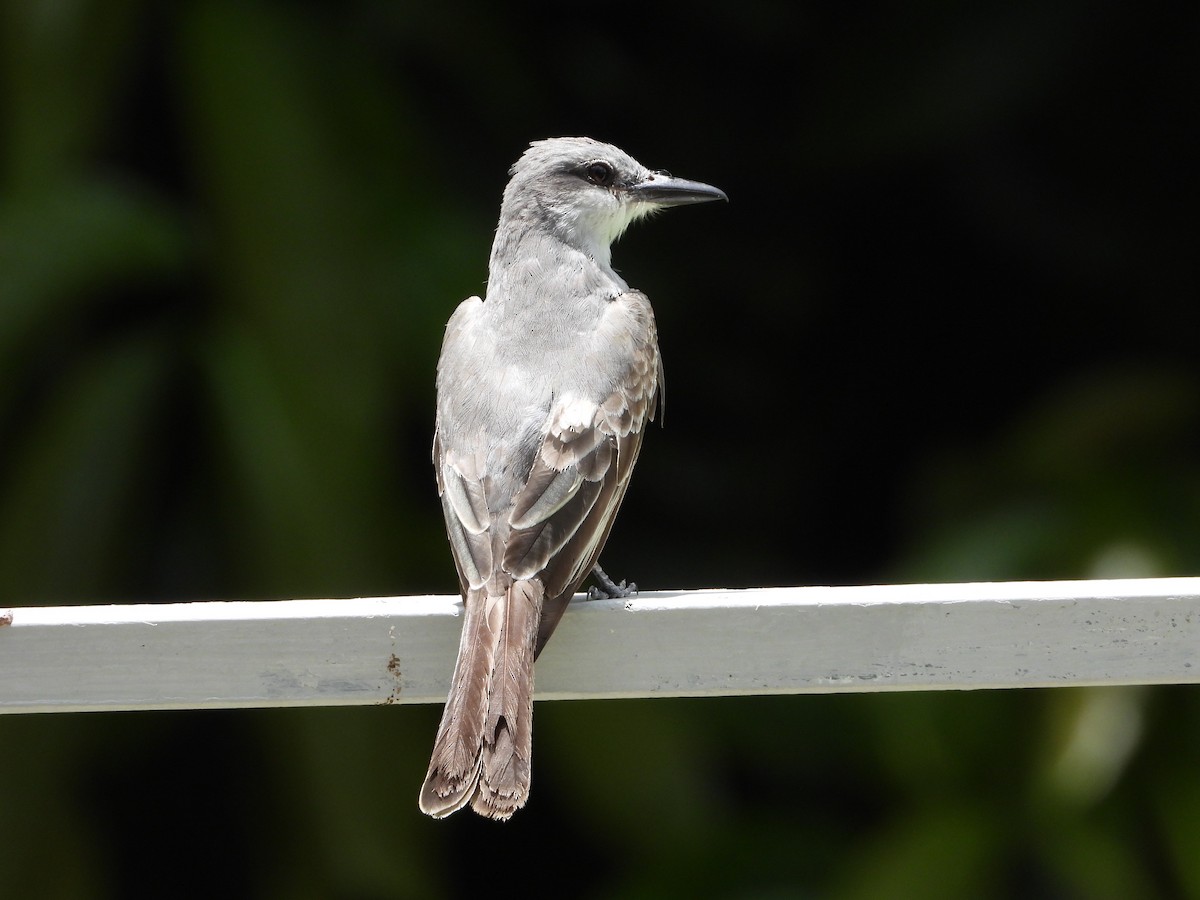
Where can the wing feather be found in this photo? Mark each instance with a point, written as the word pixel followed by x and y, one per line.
pixel 546 492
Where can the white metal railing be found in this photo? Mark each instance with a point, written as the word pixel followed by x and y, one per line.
pixel 663 643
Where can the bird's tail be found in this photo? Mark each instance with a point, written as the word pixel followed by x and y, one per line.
pixel 484 745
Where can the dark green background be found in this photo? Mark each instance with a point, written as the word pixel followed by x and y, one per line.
pixel 946 329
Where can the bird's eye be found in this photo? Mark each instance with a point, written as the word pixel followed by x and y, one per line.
pixel 600 173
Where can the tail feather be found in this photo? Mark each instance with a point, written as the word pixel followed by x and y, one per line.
pixel 508 745
pixel 454 765
pixel 484 745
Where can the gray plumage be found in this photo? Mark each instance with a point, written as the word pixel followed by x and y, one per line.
pixel 544 389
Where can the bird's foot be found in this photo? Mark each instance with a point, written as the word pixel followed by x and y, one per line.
pixel 607 589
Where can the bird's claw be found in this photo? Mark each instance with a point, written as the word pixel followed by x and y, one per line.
pixel 607 589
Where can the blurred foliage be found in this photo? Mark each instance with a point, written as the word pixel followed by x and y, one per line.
pixel 945 330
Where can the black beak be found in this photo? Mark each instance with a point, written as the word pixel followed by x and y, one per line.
pixel 664 190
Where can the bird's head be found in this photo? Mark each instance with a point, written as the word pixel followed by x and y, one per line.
pixel 589 192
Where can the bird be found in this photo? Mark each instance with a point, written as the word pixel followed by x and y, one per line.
pixel 544 389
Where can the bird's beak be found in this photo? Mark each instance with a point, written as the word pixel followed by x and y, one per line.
pixel 665 190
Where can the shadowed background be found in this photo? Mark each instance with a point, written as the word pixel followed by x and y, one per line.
pixel 945 330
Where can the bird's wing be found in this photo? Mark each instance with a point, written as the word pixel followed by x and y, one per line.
pixel 562 515
pixel 461 474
